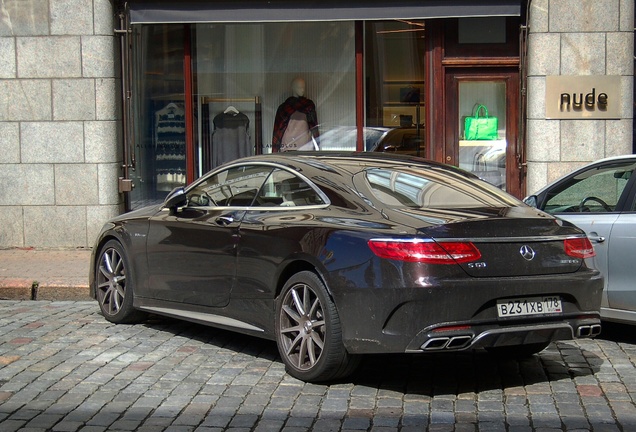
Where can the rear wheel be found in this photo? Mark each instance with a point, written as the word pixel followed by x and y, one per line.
pixel 308 331
pixel 518 351
pixel 115 285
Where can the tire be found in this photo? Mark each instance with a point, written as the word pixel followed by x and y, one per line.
pixel 518 351
pixel 114 285
pixel 308 332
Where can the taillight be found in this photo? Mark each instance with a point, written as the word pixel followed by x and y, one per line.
pixel 579 247
pixel 428 252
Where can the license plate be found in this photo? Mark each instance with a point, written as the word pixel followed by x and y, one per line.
pixel 529 306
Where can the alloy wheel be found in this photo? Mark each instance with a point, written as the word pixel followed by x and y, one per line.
pixel 111 281
pixel 302 326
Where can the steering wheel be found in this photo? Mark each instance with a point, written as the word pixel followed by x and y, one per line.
pixel 582 206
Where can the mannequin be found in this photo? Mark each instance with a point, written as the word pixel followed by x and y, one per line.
pixel 296 120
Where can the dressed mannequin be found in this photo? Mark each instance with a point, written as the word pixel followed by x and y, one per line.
pixel 296 120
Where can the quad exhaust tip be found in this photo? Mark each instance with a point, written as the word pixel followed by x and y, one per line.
pixel 447 343
pixel 588 331
pixel 462 341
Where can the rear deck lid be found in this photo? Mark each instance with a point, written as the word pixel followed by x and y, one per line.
pixel 450 206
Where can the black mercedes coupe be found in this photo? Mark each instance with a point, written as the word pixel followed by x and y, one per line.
pixel 335 255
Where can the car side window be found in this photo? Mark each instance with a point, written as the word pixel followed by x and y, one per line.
pixel 285 189
pixel 234 187
pixel 596 190
pixel 633 206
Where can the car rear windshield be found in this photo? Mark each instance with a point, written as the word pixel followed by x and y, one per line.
pixel 433 188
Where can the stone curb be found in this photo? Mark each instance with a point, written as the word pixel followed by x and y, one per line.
pixel 28 289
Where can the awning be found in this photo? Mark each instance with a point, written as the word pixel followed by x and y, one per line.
pixel 225 11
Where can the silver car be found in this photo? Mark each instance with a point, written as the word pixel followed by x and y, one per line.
pixel 600 198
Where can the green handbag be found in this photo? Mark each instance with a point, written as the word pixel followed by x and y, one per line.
pixel 480 128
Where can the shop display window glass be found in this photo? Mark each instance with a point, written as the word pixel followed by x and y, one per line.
pixel 159 125
pixel 394 75
pixel 264 87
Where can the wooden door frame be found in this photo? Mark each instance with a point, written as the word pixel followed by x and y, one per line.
pixel 450 149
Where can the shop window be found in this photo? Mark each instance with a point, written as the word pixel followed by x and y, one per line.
pixel 263 87
pixel 394 70
pixel 159 126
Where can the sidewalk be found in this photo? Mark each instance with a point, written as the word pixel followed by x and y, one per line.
pixel 44 274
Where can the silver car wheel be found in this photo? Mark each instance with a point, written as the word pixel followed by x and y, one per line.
pixel 302 326
pixel 111 281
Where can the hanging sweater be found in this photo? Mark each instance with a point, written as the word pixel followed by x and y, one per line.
pixel 230 139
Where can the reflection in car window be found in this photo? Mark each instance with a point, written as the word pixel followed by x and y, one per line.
pixel 433 189
pixel 594 190
pixel 285 189
pixel 236 187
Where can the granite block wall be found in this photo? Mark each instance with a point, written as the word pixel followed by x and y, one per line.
pixel 577 37
pixel 59 122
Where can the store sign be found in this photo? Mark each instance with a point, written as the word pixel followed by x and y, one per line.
pixel 583 97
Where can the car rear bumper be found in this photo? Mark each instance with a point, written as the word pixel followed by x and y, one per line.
pixel 462 314
pixel 490 336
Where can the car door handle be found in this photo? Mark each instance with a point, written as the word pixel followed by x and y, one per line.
pixel 224 220
pixel 597 239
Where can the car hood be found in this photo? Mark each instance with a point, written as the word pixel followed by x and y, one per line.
pixel 142 213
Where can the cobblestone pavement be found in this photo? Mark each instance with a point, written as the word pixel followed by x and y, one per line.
pixel 63 367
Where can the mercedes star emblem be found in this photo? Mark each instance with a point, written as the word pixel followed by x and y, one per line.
pixel 527 252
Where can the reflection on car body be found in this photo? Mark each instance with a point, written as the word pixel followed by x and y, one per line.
pixel 403 140
pixel 403 256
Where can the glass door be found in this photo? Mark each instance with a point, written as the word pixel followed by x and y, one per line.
pixel 481 126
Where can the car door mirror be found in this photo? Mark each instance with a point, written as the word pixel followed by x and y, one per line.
pixel 176 198
pixel 531 200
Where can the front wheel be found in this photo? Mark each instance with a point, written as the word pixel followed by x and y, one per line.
pixel 308 331
pixel 113 277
